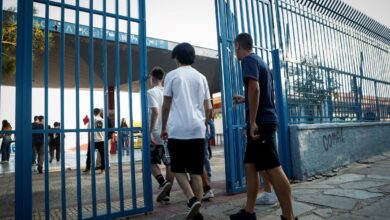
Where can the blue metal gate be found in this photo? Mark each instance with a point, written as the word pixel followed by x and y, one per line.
pixel 234 17
pixel 125 188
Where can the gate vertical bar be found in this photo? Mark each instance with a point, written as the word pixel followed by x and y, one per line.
pixel 62 133
pixel 106 150
pixel 46 86
pixel 77 81
pixel 23 181
pixel 283 135
pixel 148 194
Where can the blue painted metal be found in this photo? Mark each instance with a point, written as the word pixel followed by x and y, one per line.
pixel 147 181
pixel 62 134
pixel 46 84
pixel 23 180
pixel 106 149
pixel 77 82
pixel 282 110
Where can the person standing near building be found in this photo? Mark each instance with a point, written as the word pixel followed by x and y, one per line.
pixel 185 114
pixel 98 137
pixel 6 143
pixel 158 154
pixel 125 137
pixel 55 143
pixel 261 118
pixel 34 152
pixel 38 141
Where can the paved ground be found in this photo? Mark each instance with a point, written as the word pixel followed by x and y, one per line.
pixel 360 191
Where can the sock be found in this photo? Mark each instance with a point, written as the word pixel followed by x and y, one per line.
pixel 160 179
pixel 206 188
pixel 192 200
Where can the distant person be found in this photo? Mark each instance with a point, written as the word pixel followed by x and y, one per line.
pixel 55 143
pixel 38 141
pixel 185 114
pixel 261 119
pixel 110 138
pixel 6 143
pixel 206 176
pixel 125 137
pixel 98 137
pixel 158 153
pixel 34 152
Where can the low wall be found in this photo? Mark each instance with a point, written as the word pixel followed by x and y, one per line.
pixel 318 148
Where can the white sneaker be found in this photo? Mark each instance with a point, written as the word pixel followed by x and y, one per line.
pixel 208 195
pixel 267 198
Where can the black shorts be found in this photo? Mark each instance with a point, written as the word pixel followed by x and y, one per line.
pixel 262 152
pixel 158 154
pixel 187 156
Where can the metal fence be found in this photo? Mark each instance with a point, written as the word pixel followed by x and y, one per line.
pixel 334 72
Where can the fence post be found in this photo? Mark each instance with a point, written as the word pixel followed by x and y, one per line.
pixel 330 103
pixel 23 177
pixel 281 108
pixel 378 111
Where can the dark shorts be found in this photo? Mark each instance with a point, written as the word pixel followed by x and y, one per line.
pixel 187 156
pixel 262 152
pixel 158 154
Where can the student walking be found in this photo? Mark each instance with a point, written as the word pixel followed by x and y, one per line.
pixel 185 108
pixel 158 153
pixel 261 118
pixel 55 143
pixel 38 142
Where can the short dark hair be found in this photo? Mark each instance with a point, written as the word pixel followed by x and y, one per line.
pixel 157 73
pixel 36 117
pixel 96 111
pixel 184 53
pixel 41 117
pixel 245 41
pixel 56 124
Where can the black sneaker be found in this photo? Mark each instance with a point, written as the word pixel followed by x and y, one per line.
pixel 243 215
pixel 166 200
pixel 40 170
pixel 164 189
pixel 193 208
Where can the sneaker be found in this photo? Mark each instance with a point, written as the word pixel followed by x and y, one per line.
pixel 267 198
pixel 86 170
pixel 208 195
pixel 193 208
pixel 164 189
pixel 40 170
pixel 166 200
pixel 243 215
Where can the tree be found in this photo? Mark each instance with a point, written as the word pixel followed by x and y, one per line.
pixel 8 40
pixel 312 86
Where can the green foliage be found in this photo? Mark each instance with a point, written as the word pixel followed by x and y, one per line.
pixel 8 40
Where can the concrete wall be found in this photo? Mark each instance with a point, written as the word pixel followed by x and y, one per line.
pixel 318 148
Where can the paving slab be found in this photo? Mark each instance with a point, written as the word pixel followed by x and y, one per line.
pixel 313 186
pixel 324 213
pixel 310 217
pixel 299 208
pixel 352 193
pixel 379 177
pixel 329 201
pixel 380 209
pixel 344 178
pixel 362 184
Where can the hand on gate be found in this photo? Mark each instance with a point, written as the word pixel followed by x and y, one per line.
pixel 164 135
pixel 237 99
pixel 254 131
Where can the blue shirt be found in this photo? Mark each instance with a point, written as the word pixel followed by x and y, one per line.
pixel 254 68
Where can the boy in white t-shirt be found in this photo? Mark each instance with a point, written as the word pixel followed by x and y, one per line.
pixel 186 105
pixel 158 153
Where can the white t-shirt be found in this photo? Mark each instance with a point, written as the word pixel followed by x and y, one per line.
pixel 188 89
pixel 98 136
pixel 155 100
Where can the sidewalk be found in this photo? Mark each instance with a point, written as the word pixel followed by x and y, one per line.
pixel 360 191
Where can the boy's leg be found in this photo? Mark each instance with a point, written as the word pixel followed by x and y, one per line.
pixel 267 183
pixel 282 189
pixel 252 181
pixel 58 152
